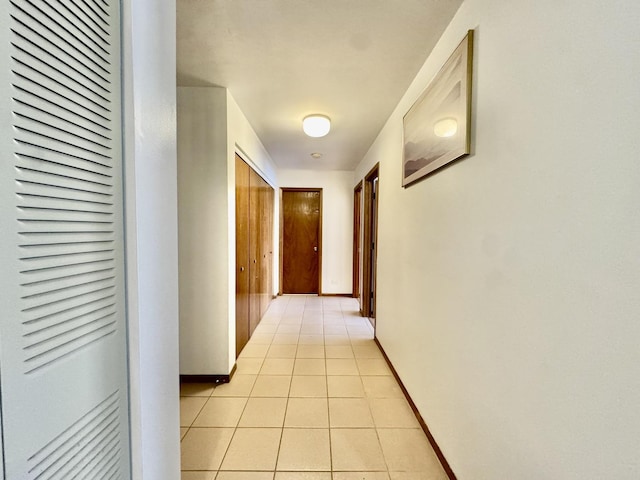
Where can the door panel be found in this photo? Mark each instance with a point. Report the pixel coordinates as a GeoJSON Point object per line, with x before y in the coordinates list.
{"type": "Point", "coordinates": [63, 327]}
{"type": "Point", "coordinates": [242, 254]}
{"type": "Point", "coordinates": [255, 216]}
{"type": "Point", "coordinates": [301, 241]}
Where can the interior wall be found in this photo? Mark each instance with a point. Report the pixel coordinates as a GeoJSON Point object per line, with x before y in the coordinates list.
{"type": "Point", "coordinates": [337, 223]}
{"type": "Point", "coordinates": [508, 281]}
{"type": "Point", "coordinates": [203, 203]}
{"type": "Point", "coordinates": [211, 129]}
{"type": "Point", "coordinates": [149, 89]}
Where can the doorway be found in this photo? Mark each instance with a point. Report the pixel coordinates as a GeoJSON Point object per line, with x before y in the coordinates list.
{"type": "Point", "coordinates": [301, 244]}
{"type": "Point", "coordinates": [370, 247]}
{"type": "Point", "coordinates": [357, 218]}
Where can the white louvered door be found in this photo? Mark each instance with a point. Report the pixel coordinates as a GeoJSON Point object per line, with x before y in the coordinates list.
{"type": "Point", "coordinates": [63, 364]}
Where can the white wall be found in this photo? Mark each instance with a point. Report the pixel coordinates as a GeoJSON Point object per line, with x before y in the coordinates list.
{"type": "Point", "coordinates": [337, 222]}
{"type": "Point", "coordinates": [204, 245]}
{"type": "Point", "coordinates": [508, 282]}
{"type": "Point", "coordinates": [211, 129]}
{"type": "Point", "coordinates": [152, 251]}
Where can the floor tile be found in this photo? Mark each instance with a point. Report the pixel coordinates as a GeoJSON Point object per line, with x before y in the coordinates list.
{"type": "Point", "coordinates": [188, 389]}
{"type": "Point", "coordinates": [308, 386]}
{"type": "Point", "coordinates": [339, 351]}
{"type": "Point", "coordinates": [349, 412]}
{"type": "Point", "coordinates": [264, 412]}
{"type": "Point", "coordinates": [204, 448]}
{"type": "Point", "coordinates": [309, 366]}
{"type": "Point", "coordinates": [277, 366]}
{"type": "Point", "coordinates": [240, 386]}
{"type": "Point", "coordinates": [360, 476]}
{"type": "Point", "coordinates": [341, 366]}
{"type": "Point", "coordinates": [247, 365]}
{"type": "Point", "coordinates": [367, 351]}
{"type": "Point", "coordinates": [311, 340]}
{"type": "Point", "coordinates": [261, 338]}
{"type": "Point", "coordinates": [285, 339]}
{"type": "Point", "coordinates": [304, 449]}
{"type": "Point", "coordinates": [267, 327]}
{"type": "Point", "coordinates": [307, 412]}
{"type": "Point", "coordinates": [253, 449]}
{"type": "Point", "coordinates": [312, 329]}
{"type": "Point", "coordinates": [254, 350]}
{"type": "Point", "coordinates": [183, 432]}
{"type": "Point", "coordinates": [345, 386]}
{"type": "Point", "coordinates": [197, 475]}
{"type": "Point", "coordinates": [303, 476]}
{"type": "Point", "coordinates": [271, 386]}
{"type": "Point", "coordinates": [407, 450]}
{"type": "Point", "coordinates": [381, 387]}
{"type": "Point", "coordinates": [419, 475]}
{"type": "Point", "coordinates": [221, 412]}
{"type": "Point", "coordinates": [285, 328]}
{"type": "Point", "coordinates": [189, 409]}
{"type": "Point", "coordinates": [310, 351]}
{"type": "Point", "coordinates": [393, 413]}
{"type": "Point", "coordinates": [373, 366]}
{"type": "Point", "coordinates": [337, 340]}
{"type": "Point", "coordinates": [282, 351]}
{"type": "Point", "coordinates": [356, 450]}
{"type": "Point", "coordinates": [245, 476]}
{"type": "Point", "coordinates": [335, 330]}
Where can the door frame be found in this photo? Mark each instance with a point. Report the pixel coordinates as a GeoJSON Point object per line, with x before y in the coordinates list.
{"type": "Point", "coordinates": [357, 219]}
{"type": "Point", "coordinates": [281, 266]}
{"type": "Point", "coordinates": [369, 254]}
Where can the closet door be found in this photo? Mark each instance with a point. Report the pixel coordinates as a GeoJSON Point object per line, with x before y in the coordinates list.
{"type": "Point", "coordinates": [242, 254]}
{"type": "Point", "coordinates": [255, 219]}
{"type": "Point", "coordinates": [266, 249]}
{"type": "Point", "coordinates": [62, 328]}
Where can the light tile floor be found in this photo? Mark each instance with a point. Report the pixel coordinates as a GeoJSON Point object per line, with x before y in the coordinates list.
{"type": "Point", "coordinates": [312, 399]}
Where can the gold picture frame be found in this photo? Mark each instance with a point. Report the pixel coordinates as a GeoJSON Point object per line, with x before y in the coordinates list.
{"type": "Point", "coordinates": [437, 128]}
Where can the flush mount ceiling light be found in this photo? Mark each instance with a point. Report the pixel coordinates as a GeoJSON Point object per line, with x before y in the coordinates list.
{"type": "Point", "coordinates": [316, 155]}
{"type": "Point", "coordinates": [316, 125]}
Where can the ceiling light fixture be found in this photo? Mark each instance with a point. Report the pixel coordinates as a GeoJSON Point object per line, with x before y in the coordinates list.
{"type": "Point", "coordinates": [316, 155]}
{"type": "Point", "coordinates": [447, 127]}
{"type": "Point", "coordinates": [316, 125]}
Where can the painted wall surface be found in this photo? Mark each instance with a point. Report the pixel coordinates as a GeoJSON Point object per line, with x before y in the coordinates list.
{"type": "Point", "coordinates": [508, 282]}
{"type": "Point", "coordinates": [204, 245]}
{"type": "Point", "coordinates": [152, 240]}
{"type": "Point", "coordinates": [337, 222]}
{"type": "Point", "coordinates": [211, 129]}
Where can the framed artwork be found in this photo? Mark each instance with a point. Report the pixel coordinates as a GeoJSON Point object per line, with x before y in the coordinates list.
{"type": "Point", "coordinates": [437, 127]}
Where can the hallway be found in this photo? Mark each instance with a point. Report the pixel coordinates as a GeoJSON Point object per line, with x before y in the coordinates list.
{"type": "Point", "coordinates": [312, 393]}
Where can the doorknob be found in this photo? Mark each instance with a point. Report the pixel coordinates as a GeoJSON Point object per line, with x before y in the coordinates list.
{"type": "Point", "coordinates": [315, 249]}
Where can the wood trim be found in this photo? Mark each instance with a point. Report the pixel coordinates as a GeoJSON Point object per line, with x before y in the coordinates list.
{"type": "Point", "coordinates": [423, 424]}
{"type": "Point", "coordinates": [301, 189]}
{"type": "Point", "coordinates": [281, 244]}
{"type": "Point", "coordinates": [217, 379]}
{"type": "Point", "coordinates": [357, 228]}
{"type": "Point", "coordinates": [347, 295]}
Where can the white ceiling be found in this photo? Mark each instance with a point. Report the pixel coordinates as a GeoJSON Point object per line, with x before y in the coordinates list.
{"type": "Point", "coordinates": [284, 59]}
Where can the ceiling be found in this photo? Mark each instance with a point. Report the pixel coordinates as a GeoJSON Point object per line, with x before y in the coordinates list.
{"type": "Point", "coordinates": [351, 60]}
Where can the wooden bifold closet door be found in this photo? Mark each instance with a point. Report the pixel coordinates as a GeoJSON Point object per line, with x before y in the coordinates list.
{"type": "Point", "coordinates": [254, 252]}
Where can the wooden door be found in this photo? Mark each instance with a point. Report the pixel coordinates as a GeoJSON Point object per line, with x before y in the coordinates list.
{"type": "Point", "coordinates": [370, 247]}
{"type": "Point", "coordinates": [255, 216]}
{"type": "Point", "coordinates": [357, 200]}
{"type": "Point", "coordinates": [266, 246]}
{"type": "Point", "coordinates": [301, 240]}
{"type": "Point", "coordinates": [242, 254]}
